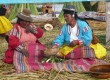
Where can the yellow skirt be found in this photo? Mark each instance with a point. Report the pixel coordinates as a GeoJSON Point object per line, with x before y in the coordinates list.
{"type": "Point", "coordinates": [100, 51]}
{"type": "Point", "coordinates": [64, 50]}
{"type": "Point", "coordinates": [5, 25]}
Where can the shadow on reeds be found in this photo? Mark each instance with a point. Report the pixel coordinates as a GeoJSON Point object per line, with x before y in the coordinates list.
{"type": "Point", "coordinates": [102, 39]}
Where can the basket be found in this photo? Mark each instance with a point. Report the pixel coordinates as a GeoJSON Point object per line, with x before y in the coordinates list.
{"type": "Point", "coordinates": [100, 71]}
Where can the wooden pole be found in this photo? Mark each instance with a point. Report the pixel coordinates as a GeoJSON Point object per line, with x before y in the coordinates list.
{"type": "Point", "coordinates": [108, 23]}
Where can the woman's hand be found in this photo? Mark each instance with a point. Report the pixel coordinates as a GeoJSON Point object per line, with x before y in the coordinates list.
{"type": "Point", "coordinates": [55, 46]}
{"type": "Point", "coordinates": [51, 51]}
{"type": "Point", "coordinates": [73, 43]}
{"type": "Point", "coordinates": [30, 29]}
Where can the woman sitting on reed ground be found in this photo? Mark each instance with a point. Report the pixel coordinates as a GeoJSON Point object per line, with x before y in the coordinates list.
{"type": "Point", "coordinates": [77, 44]}
{"type": "Point", "coordinates": [25, 51]}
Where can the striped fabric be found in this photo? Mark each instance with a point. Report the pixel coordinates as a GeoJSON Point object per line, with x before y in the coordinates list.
{"type": "Point", "coordinates": [23, 64]}
{"type": "Point", "coordinates": [77, 65]}
{"type": "Point", "coordinates": [78, 60]}
{"type": "Point", "coordinates": [81, 52]}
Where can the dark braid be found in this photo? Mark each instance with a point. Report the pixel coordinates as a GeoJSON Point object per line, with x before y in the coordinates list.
{"type": "Point", "coordinates": [77, 17]}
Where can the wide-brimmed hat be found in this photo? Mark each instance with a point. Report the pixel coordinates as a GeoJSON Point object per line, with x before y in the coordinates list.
{"type": "Point", "coordinates": [69, 9]}
{"type": "Point", "coordinates": [25, 15]}
{"type": "Point", "coordinates": [48, 27]}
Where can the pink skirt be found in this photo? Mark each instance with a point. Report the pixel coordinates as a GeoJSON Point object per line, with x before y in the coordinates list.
{"type": "Point", "coordinates": [24, 64]}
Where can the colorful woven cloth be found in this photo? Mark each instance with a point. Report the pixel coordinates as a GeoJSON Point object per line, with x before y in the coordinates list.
{"type": "Point", "coordinates": [77, 52]}
{"type": "Point", "coordinates": [77, 65]}
{"type": "Point", "coordinates": [25, 64]}
{"type": "Point", "coordinates": [78, 59]}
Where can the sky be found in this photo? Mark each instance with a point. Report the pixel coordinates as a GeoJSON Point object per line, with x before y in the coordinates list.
{"type": "Point", "coordinates": [40, 1]}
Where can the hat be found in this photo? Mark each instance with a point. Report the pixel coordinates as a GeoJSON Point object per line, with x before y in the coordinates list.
{"type": "Point", "coordinates": [69, 9]}
{"type": "Point", "coordinates": [25, 15]}
{"type": "Point", "coordinates": [48, 27]}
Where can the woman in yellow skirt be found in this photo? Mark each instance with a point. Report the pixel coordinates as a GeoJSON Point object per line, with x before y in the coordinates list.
{"type": "Point", "coordinates": [76, 38]}
{"type": "Point", "coordinates": [99, 50]}
{"type": "Point", "coordinates": [5, 25]}
{"type": "Point", "coordinates": [77, 44]}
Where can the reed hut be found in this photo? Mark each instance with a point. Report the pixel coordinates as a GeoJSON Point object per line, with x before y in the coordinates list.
{"type": "Point", "coordinates": [101, 6]}
{"type": "Point", "coordinates": [47, 9]}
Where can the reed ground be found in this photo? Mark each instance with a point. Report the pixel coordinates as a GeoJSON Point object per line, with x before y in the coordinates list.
{"type": "Point", "coordinates": [7, 71]}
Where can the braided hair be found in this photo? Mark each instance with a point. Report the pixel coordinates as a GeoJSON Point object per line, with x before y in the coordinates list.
{"type": "Point", "coordinates": [77, 17]}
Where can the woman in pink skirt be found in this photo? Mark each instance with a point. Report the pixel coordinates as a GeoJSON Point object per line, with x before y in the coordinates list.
{"type": "Point", "coordinates": [24, 49]}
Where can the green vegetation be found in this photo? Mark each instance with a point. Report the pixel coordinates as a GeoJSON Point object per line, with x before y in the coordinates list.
{"type": "Point", "coordinates": [102, 39]}
{"type": "Point", "coordinates": [17, 8]}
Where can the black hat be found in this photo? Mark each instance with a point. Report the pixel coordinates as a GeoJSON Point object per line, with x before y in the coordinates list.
{"type": "Point", "coordinates": [69, 9]}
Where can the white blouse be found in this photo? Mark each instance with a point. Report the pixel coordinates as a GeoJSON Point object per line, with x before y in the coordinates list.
{"type": "Point", "coordinates": [73, 35]}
